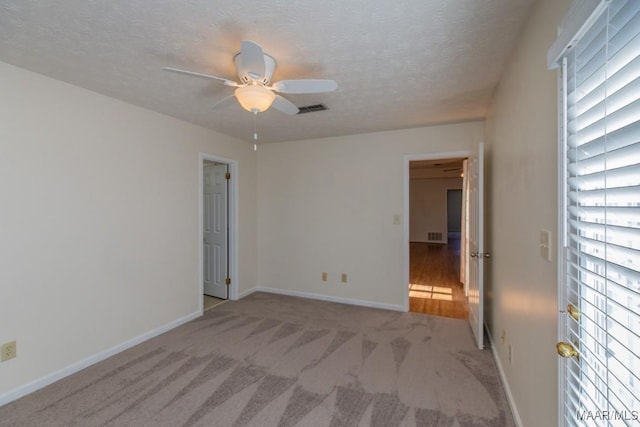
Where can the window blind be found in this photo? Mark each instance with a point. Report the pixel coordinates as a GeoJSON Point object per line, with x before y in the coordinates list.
{"type": "Point", "coordinates": [601, 80]}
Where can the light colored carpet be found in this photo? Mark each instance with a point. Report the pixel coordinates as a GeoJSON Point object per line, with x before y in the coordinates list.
{"type": "Point", "coordinates": [270, 360]}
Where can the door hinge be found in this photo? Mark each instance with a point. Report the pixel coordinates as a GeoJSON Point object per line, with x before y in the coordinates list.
{"type": "Point", "coordinates": [227, 175]}
{"type": "Point", "coordinates": [228, 281]}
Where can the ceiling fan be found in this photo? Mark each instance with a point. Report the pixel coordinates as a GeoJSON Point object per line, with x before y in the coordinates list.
{"type": "Point", "coordinates": [254, 92]}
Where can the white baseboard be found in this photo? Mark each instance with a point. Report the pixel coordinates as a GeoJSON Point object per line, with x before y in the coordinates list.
{"type": "Point", "coordinates": [505, 384]}
{"type": "Point", "coordinates": [247, 293]}
{"type": "Point", "coordinates": [23, 390]}
{"type": "Point", "coordinates": [359, 302]}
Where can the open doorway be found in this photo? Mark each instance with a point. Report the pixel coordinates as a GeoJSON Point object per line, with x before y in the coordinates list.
{"type": "Point", "coordinates": [218, 272]}
{"type": "Point", "coordinates": [436, 222]}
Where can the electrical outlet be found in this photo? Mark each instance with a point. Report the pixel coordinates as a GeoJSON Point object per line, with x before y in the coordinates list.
{"type": "Point", "coordinates": [343, 278]}
{"type": "Point", "coordinates": [324, 277]}
{"type": "Point", "coordinates": [510, 354]}
{"type": "Point", "coordinates": [7, 351]}
{"type": "Point", "coordinates": [503, 337]}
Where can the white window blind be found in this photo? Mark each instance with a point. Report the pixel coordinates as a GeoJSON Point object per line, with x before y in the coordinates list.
{"type": "Point", "coordinates": [601, 80]}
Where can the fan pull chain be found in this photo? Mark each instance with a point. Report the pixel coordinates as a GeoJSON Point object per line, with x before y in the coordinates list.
{"type": "Point", "coordinates": [255, 132]}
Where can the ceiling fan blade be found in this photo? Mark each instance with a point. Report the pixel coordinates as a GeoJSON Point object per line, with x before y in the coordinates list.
{"type": "Point", "coordinates": [285, 106]}
{"type": "Point", "coordinates": [251, 60]}
{"type": "Point", "coordinates": [305, 86]}
{"type": "Point", "coordinates": [224, 102]}
{"type": "Point", "coordinates": [206, 76]}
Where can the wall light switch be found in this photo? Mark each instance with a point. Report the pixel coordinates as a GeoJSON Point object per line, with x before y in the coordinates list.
{"type": "Point", "coordinates": [545, 245]}
{"type": "Point", "coordinates": [396, 219]}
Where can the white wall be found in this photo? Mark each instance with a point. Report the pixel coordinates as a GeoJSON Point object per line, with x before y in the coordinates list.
{"type": "Point", "coordinates": [521, 140]}
{"type": "Point", "coordinates": [99, 222]}
{"type": "Point", "coordinates": [327, 205]}
{"type": "Point", "coordinates": [428, 206]}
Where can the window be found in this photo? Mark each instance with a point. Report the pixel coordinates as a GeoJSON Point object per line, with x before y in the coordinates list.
{"type": "Point", "coordinates": [600, 57]}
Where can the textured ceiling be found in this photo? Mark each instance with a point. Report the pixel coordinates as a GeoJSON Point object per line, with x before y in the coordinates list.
{"type": "Point", "coordinates": [398, 64]}
{"type": "Point", "coordinates": [436, 168]}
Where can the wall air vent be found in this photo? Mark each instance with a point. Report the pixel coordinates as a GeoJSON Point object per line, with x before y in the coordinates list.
{"type": "Point", "coordinates": [434, 236]}
{"type": "Point", "coordinates": [311, 108]}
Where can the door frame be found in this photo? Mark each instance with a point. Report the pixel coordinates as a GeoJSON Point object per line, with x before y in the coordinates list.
{"type": "Point", "coordinates": [405, 207]}
{"type": "Point", "coordinates": [232, 224]}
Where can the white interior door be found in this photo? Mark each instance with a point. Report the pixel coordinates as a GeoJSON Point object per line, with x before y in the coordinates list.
{"type": "Point", "coordinates": [476, 245]}
{"type": "Point", "coordinates": [215, 230]}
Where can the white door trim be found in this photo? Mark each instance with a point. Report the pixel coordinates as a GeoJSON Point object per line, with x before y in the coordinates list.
{"type": "Point", "coordinates": [405, 208]}
{"type": "Point", "coordinates": [233, 222]}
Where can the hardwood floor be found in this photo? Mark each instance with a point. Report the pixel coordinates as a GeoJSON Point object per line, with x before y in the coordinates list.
{"type": "Point", "coordinates": [434, 277]}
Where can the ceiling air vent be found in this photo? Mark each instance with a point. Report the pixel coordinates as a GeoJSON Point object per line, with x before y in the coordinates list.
{"type": "Point", "coordinates": [311, 108]}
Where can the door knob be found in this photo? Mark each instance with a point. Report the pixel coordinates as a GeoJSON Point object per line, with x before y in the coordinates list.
{"type": "Point", "coordinates": [473, 254]}
{"type": "Point", "coordinates": [573, 311]}
{"type": "Point", "coordinates": [566, 350]}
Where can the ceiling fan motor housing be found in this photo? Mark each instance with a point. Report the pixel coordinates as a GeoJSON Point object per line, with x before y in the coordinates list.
{"type": "Point", "coordinates": [269, 68]}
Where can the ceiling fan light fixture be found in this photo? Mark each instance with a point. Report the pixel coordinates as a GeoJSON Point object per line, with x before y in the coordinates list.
{"type": "Point", "coordinates": [255, 98]}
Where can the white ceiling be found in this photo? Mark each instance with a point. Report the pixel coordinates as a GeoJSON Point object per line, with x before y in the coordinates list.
{"type": "Point", "coordinates": [398, 64]}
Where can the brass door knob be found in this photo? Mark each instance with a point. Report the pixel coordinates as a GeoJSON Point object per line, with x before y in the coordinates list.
{"type": "Point", "coordinates": [566, 350]}
{"type": "Point", "coordinates": [573, 311]}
